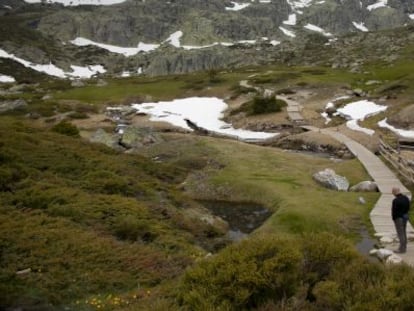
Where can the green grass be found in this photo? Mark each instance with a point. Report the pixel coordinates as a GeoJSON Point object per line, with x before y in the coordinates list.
{"type": "Point", "coordinates": [281, 181]}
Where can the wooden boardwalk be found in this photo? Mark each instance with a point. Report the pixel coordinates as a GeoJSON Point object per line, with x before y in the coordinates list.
{"type": "Point", "coordinates": [380, 215]}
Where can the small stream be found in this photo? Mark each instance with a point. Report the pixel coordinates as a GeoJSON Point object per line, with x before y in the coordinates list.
{"type": "Point", "coordinates": [366, 244]}
{"type": "Point", "coordinates": [242, 217]}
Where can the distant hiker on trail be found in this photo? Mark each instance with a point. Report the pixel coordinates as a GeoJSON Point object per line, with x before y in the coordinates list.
{"type": "Point", "coordinates": [400, 208]}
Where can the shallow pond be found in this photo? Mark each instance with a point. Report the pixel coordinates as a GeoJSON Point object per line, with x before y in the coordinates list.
{"type": "Point", "coordinates": [242, 217]}
{"type": "Point", "coordinates": [366, 244]}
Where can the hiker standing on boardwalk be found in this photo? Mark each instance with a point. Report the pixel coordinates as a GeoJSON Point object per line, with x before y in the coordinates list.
{"type": "Point", "coordinates": [400, 207]}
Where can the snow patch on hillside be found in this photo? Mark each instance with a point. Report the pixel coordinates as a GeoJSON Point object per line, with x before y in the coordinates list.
{"type": "Point", "coordinates": [287, 32]}
{"type": "Point", "coordinates": [317, 29]}
{"type": "Point", "coordinates": [206, 112]}
{"type": "Point", "coordinates": [6, 79]}
{"type": "Point", "coordinates": [403, 133]}
{"type": "Point", "coordinates": [126, 51]}
{"type": "Point", "coordinates": [52, 70]}
{"type": "Point", "coordinates": [358, 111]}
{"type": "Point", "coordinates": [360, 26]}
{"type": "Point", "coordinates": [79, 2]}
{"type": "Point", "coordinates": [237, 6]}
{"type": "Point", "coordinates": [291, 20]}
{"type": "Point", "coordinates": [377, 5]}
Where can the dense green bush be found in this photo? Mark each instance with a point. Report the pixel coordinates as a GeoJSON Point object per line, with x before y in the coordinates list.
{"type": "Point", "coordinates": [261, 105]}
{"type": "Point", "coordinates": [243, 276]}
{"type": "Point", "coordinates": [66, 128]}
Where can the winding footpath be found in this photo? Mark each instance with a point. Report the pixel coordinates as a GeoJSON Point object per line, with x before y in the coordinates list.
{"type": "Point", "coordinates": [380, 215]}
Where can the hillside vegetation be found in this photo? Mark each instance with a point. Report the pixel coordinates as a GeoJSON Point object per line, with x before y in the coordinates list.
{"type": "Point", "coordinates": [85, 227]}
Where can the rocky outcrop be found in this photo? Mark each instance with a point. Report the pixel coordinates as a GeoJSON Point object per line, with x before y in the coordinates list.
{"type": "Point", "coordinates": [12, 105]}
{"type": "Point", "coordinates": [329, 179]}
{"type": "Point", "coordinates": [110, 140]}
{"type": "Point", "coordinates": [134, 137]}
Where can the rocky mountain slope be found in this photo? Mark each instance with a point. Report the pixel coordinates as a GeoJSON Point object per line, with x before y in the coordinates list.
{"type": "Point", "coordinates": [191, 35]}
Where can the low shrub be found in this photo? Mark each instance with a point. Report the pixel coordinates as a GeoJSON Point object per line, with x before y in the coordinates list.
{"type": "Point", "coordinates": [262, 105]}
{"type": "Point", "coordinates": [66, 128]}
{"type": "Point", "coordinates": [243, 276]}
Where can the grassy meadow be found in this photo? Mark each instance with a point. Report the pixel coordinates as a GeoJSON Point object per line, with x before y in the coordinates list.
{"type": "Point", "coordinates": [104, 230]}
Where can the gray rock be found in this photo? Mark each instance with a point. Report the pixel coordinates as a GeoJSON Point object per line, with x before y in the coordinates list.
{"type": "Point", "coordinates": [329, 179]}
{"type": "Point", "coordinates": [110, 140]}
{"type": "Point", "coordinates": [365, 186]}
{"type": "Point", "coordinates": [101, 83]}
{"type": "Point", "coordinates": [12, 105]}
{"type": "Point", "coordinates": [134, 137]}
{"type": "Point", "coordinates": [77, 83]}
{"type": "Point", "coordinates": [47, 97]}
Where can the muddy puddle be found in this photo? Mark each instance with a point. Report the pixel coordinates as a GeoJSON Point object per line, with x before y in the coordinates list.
{"type": "Point", "coordinates": [242, 217]}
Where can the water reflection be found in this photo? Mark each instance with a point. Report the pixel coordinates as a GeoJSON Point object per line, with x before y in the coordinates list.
{"type": "Point", "coordinates": [242, 217]}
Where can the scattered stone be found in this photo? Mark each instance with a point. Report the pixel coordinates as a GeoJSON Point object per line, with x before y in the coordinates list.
{"type": "Point", "coordinates": [381, 253]}
{"type": "Point", "coordinates": [393, 259]}
{"type": "Point", "coordinates": [102, 137]}
{"type": "Point", "coordinates": [372, 82]}
{"type": "Point", "coordinates": [101, 83]}
{"type": "Point", "coordinates": [12, 105]}
{"type": "Point", "coordinates": [387, 240]}
{"type": "Point", "coordinates": [329, 179]}
{"type": "Point", "coordinates": [77, 83]}
{"type": "Point", "coordinates": [25, 271]}
{"type": "Point", "coordinates": [365, 186]}
{"type": "Point", "coordinates": [47, 97]}
{"type": "Point", "coordinates": [361, 200]}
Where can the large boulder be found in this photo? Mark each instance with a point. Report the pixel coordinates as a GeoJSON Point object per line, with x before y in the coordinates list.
{"type": "Point", "coordinates": [134, 137]}
{"type": "Point", "coordinates": [12, 105]}
{"type": "Point", "coordinates": [329, 179]}
{"type": "Point", "coordinates": [365, 186]}
{"type": "Point", "coordinates": [110, 140]}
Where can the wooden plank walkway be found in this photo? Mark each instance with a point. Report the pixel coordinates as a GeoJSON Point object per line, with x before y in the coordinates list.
{"type": "Point", "coordinates": [381, 213]}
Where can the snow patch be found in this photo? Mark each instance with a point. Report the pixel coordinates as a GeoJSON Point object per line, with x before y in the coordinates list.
{"type": "Point", "coordinates": [360, 26]}
{"type": "Point", "coordinates": [401, 132]}
{"type": "Point", "coordinates": [52, 70]}
{"type": "Point", "coordinates": [126, 51]}
{"type": "Point", "coordinates": [79, 2]}
{"type": "Point", "coordinates": [287, 32]}
{"type": "Point", "coordinates": [237, 6]}
{"type": "Point", "coordinates": [317, 29]}
{"type": "Point", "coordinates": [291, 20]}
{"type": "Point", "coordinates": [174, 39]}
{"type": "Point", "coordinates": [206, 112]}
{"type": "Point", "coordinates": [378, 4]}
{"type": "Point", "coordinates": [6, 79]}
{"type": "Point", "coordinates": [358, 111]}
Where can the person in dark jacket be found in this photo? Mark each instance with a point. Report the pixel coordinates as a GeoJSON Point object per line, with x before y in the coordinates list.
{"type": "Point", "coordinates": [399, 210]}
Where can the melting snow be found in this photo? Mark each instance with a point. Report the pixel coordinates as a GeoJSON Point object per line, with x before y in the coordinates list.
{"type": "Point", "coordinates": [174, 38]}
{"type": "Point", "coordinates": [291, 20]}
{"type": "Point", "coordinates": [358, 111]}
{"type": "Point", "coordinates": [6, 79]}
{"type": "Point", "coordinates": [126, 51]}
{"type": "Point", "coordinates": [296, 5]}
{"type": "Point", "coordinates": [378, 4]}
{"type": "Point", "coordinates": [79, 2]}
{"type": "Point", "coordinates": [317, 29]}
{"type": "Point", "coordinates": [206, 112]}
{"type": "Point", "coordinates": [403, 133]}
{"type": "Point", "coordinates": [360, 26]}
{"type": "Point", "coordinates": [287, 32]}
{"type": "Point", "coordinates": [52, 70]}
{"type": "Point", "coordinates": [237, 6]}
